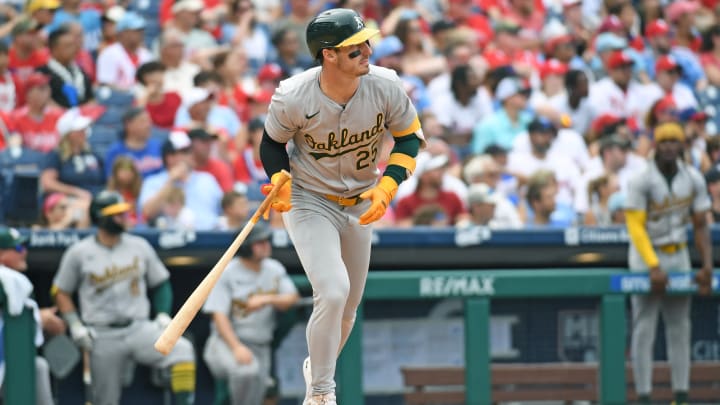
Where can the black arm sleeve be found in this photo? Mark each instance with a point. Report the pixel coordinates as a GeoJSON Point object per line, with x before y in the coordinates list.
{"type": "Point", "coordinates": [273, 155]}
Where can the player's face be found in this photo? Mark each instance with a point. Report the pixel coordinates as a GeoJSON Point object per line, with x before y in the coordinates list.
{"type": "Point", "coordinates": [668, 151]}
{"type": "Point", "coordinates": [354, 60]}
{"type": "Point", "coordinates": [15, 258]}
{"type": "Point", "coordinates": [261, 249]}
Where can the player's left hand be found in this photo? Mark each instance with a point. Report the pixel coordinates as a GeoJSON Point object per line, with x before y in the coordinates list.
{"type": "Point", "coordinates": [380, 195]}
{"type": "Point", "coordinates": [256, 301]}
{"type": "Point", "coordinates": [703, 279]}
{"type": "Point", "coordinates": [162, 320]}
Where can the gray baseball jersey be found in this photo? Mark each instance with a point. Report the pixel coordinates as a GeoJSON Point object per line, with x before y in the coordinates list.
{"type": "Point", "coordinates": [669, 206]}
{"type": "Point", "coordinates": [112, 282]}
{"type": "Point", "coordinates": [234, 288]}
{"type": "Point", "coordinates": [336, 147]}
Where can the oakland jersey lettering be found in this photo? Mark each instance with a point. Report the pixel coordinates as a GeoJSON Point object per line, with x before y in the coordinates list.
{"type": "Point", "coordinates": [346, 142]}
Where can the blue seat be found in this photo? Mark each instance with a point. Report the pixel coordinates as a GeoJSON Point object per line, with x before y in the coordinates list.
{"type": "Point", "coordinates": [101, 137]}
{"type": "Point", "coordinates": [112, 117]}
{"type": "Point", "coordinates": [22, 199]}
{"type": "Point", "coordinates": [28, 160]}
{"type": "Point", "coordinates": [161, 134]}
{"type": "Point", "coordinates": [114, 98]}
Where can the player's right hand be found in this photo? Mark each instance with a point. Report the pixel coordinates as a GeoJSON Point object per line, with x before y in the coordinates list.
{"type": "Point", "coordinates": [243, 355]}
{"type": "Point", "coordinates": [82, 335]}
{"type": "Point", "coordinates": [282, 201]}
{"type": "Point", "coordinates": [658, 280]}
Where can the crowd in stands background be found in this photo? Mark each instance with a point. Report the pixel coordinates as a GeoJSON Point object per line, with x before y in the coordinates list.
{"type": "Point", "coordinates": [537, 112]}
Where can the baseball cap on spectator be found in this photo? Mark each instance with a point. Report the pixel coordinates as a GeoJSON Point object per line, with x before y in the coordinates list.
{"type": "Point", "coordinates": [657, 28]}
{"type": "Point", "coordinates": [269, 72]}
{"type": "Point", "coordinates": [495, 150]}
{"type": "Point", "coordinates": [616, 202]}
{"type": "Point", "coordinates": [611, 23]}
{"type": "Point", "coordinates": [130, 21]}
{"type": "Point", "coordinates": [72, 120]}
{"type": "Point", "coordinates": [195, 95]}
{"type": "Point", "coordinates": [666, 104]}
{"type": "Point", "coordinates": [692, 114]}
{"type": "Point", "coordinates": [553, 67]}
{"type": "Point", "coordinates": [114, 14]}
{"type": "Point", "coordinates": [188, 5]}
{"type": "Point", "coordinates": [36, 79]}
{"type": "Point", "coordinates": [201, 133]}
{"type": "Point", "coordinates": [387, 46]}
{"type": "Point", "coordinates": [10, 238]}
{"type": "Point", "coordinates": [496, 59]}
{"type": "Point", "coordinates": [442, 25]}
{"type": "Point", "coordinates": [541, 124]}
{"type": "Point", "coordinates": [481, 193]}
{"type": "Point", "coordinates": [177, 140]}
{"type": "Point", "coordinates": [426, 162]}
{"type": "Point", "coordinates": [712, 175]}
{"type": "Point", "coordinates": [665, 63]}
{"type": "Point", "coordinates": [24, 26]}
{"type": "Point", "coordinates": [35, 5]}
{"type": "Point", "coordinates": [619, 59]}
{"type": "Point", "coordinates": [669, 132]}
{"type": "Point", "coordinates": [509, 87]}
{"type": "Point", "coordinates": [679, 8]}
{"type": "Point", "coordinates": [608, 41]}
{"type": "Point", "coordinates": [51, 201]}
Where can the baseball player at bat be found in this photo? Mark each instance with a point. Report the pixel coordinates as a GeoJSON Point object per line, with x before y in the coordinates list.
{"type": "Point", "coordinates": [336, 116]}
{"type": "Point", "coordinates": [112, 273]}
{"type": "Point", "coordinates": [662, 200]}
{"type": "Point", "coordinates": [243, 305]}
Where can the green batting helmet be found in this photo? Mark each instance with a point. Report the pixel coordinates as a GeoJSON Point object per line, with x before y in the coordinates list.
{"type": "Point", "coordinates": [336, 28]}
{"type": "Point", "coordinates": [260, 232]}
{"type": "Point", "coordinates": [104, 206]}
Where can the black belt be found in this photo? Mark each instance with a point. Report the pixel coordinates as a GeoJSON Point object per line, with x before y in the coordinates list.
{"type": "Point", "coordinates": [115, 325]}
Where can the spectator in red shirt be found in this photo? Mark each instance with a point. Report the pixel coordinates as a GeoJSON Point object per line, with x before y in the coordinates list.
{"type": "Point", "coordinates": [160, 104]}
{"type": "Point", "coordinates": [429, 193]}
{"type": "Point", "coordinates": [201, 148]}
{"type": "Point", "coordinates": [9, 85]}
{"type": "Point", "coordinates": [247, 166]}
{"type": "Point", "coordinates": [27, 51]}
{"type": "Point", "coordinates": [35, 122]}
{"type": "Point", "coordinates": [232, 66]}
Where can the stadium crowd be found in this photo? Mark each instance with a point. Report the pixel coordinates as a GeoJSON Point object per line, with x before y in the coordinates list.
{"type": "Point", "coordinates": [537, 111]}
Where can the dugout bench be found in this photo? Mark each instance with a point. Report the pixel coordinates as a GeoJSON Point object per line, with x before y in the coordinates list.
{"type": "Point", "coordinates": [550, 382]}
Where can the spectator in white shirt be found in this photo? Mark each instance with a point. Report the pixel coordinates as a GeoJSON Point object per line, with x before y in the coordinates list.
{"type": "Point", "coordinates": [179, 72]}
{"type": "Point", "coordinates": [485, 171]}
{"type": "Point", "coordinates": [483, 210]}
{"type": "Point", "coordinates": [117, 63]}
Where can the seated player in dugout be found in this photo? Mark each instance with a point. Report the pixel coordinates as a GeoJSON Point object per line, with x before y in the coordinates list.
{"type": "Point", "coordinates": [112, 273]}
{"type": "Point", "coordinates": [337, 115]}
{"type": "Point", "coordinates": [243, 306]}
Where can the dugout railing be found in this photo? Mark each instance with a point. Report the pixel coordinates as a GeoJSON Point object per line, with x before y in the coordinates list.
{"type": "Point", "coordinates": [476, 287]}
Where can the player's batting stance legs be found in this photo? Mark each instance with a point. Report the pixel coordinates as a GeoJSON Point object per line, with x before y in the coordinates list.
{"type": "Point", "coordinates": [337, 276]}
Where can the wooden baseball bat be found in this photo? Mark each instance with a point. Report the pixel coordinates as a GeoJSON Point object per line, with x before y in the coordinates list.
{"type": "Point", "coordinates": [87, 377]}
{"type": "Point", "coordinates": [195, 301]}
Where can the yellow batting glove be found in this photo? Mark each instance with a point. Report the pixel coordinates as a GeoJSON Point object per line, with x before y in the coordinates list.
{"type": "Point", "coordinates": [380, 195]}
{"type": "Point", "coordinates": [282, 201]}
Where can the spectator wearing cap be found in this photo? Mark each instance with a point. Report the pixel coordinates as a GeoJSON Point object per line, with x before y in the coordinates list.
{"type": "Point", "coordinates": [430, 193]}
{"type": "Point", "coordinates": [9, 83]}
{"type": "Point", "coordinates": [137, 143]}
{"type": "Point", "coordinates": [179, 72]}
{"type": "Point", "coordinates": [605, 45]}
{"type": "Point", "coordinates": [616, 157]}
{"type": "Point", "coordinates": [483, 210]}
{"type": "Point", "coordinates": [118, 63]}
{"type": "Point", "coordinates": [109, 21]}
{"type": "Point", "coordinates": [36, 121]}
{"type": "Point", "coordinates": [202, 143]}
{"type": "Point", "coordinates": [160, 104]}
{"type": "Point", "coordinates": [186, 19]}
{"type": "Point", "coordinates": [667, 75]}
{"type": "Point", "coordinates": [551, 91]}
{"type": "Point", "coordinates": [681, 14]}
{"type": "Point", "coordinates": [42, 11]}
{"type": "Point", "coordinates": [70, 86]}
{"type": "Point", "coordinates": [60, 212]}
{"type": "Point", "coordinates": [242, 29]}
{"type": "Point", "coordinates": [710, 54]}
{"type": "Point", "coordinates": [662, 111]}
{"type": "Point", "coordinates": [89, 19]}
{"type": "Point", "coordinates": [508, 44]}
{"type": "Point", "coordinates": [696, 137]}
{"type": "Point", "coordinates": [288, 53]}
{"type": "Point", "coordinates": [73, 168]}
{"type": "Point", "coordinates": [660, 37]}
{"type": "Point", "coordinates": [247, 167]}
{"type": "Point", "coordinates": [483, 169]}
{"type": "Point", "coordinates": [232, 67]}
{"type": "Point", "coordinates": [510, 120]}
{"type": "Point", "coordinates": [567, 142]}
{"type": "Point", "coordinates": [269, 76]}
{"type": "Point", "coordinates": [461, 109]}
{"type": "Point", "coordinates": [542, 134]}
{"type": "Point", "coordinates": [712, 178]}
{"type": "Point", "coordinates": [202, 192]}
{"type": "Point", "coordinates": [26, 50]}
{"type": "Point", "coordinates": [619, 93]}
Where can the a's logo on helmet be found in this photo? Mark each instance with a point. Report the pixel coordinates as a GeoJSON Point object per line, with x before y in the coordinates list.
{"type": "Point", "coordinates": [359, 22]}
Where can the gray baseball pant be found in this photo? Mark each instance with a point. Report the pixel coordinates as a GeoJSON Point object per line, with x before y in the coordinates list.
{"type": "Point", "coordinates": [675, 311]}
{"type": "Point", "coordinates": [334, 250]}
{"type": "Point", "coordinates": [247, 382]}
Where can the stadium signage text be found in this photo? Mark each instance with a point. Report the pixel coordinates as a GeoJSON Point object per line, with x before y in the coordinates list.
{"type": "Point", "coordinates": [641, 283]}
{"type": "Point", "coordinates": [456, 286]}
{"type": "Point", "coordinates": [53, 239]}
